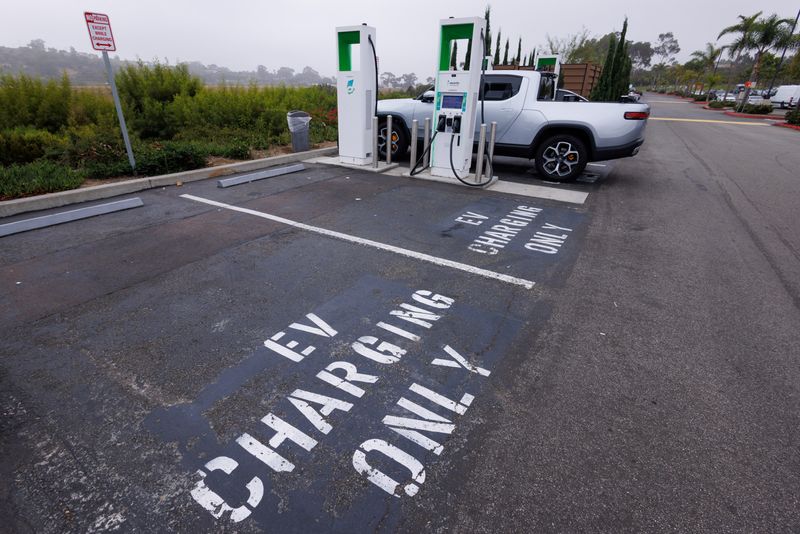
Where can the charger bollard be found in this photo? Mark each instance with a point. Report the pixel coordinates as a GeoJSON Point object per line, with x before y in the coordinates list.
{"type": "Point", "coordinates": [375, 141]}
{"type": "Point", "coordinates": [388, 139]}
{"type": "Point", "coordinates": [481, 150]}
{"type": "Point", "coordinates": [492, 136]}
{"type": "Point", "coordinates": [426, 142]}
{"type": "Point", "coordinates": [414, 135]}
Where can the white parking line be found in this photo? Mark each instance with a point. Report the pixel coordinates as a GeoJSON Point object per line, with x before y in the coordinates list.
{"type": "Point", "coordinates": [374, 244]}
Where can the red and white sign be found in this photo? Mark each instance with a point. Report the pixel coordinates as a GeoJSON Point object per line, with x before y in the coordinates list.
{"type": "Point", "coordinates": [100, 31]}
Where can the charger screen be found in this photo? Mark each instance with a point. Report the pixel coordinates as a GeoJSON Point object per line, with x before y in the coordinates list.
{"type": "Point", "coordinates": [452, 101]}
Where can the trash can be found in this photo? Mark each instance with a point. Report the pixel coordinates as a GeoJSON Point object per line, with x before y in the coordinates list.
{"type": "Point", "coordinates": [298, 127]}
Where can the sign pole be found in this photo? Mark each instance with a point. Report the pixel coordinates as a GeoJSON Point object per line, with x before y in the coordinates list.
{"type": "Point", "coordinates": [117, 105]}
{"type": "Point", "coordinates": [102, 38]}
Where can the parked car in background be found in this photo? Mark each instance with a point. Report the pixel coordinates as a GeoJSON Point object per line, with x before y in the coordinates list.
{"type": "Point", "coordinates": [756, 99]}
{"type": "Point", "coordinates": [785, 96]}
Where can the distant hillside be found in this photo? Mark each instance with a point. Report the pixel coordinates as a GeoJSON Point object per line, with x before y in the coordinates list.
{"type": "Point", "coordinates": [87, 69]}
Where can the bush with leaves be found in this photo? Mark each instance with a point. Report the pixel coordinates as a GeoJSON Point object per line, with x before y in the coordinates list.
{"type": "Point", "coordinates": [757, 109]}
{"type": "Point", "coordinates": [717, 104]}
{"type": "Point", "coordinates": [26, 101]}
{"type": "Point", "coordinates": [148, 91]}
{"type": "Point", "coordinates": [23, 145]}
{"type": "Point", "coordinates": [37, 178]}
{"type": "Point", "coordinates": [793, 117]}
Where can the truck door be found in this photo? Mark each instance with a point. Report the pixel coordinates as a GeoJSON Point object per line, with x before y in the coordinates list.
{"type": "Point", "coordinates": [503, 97]}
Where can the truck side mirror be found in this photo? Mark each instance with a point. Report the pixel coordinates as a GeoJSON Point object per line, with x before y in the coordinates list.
{"type": "Point", "coordinates": [427, 96]}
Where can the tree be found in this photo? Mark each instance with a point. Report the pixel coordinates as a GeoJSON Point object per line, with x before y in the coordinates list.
{"type": "Point", "coordinates": [454, 56]}
{"type": "Point", "coordinates": [505, 56]}
{"type": "Point", "coordinates": [487, 37]}
{"type": "Point", "coordinates": [497, 50]}
{"type": "Point", "coordinates": [388, 79]}
{"type": "Point", "coordinates": [621, 73]}
{"type": "Point", "coordinates": [641, 53]}
{"type": "Point", "coordinates": [468, 56]}
{"type": "Point", "coordinates": [707, 60]}
{"type": "Point", "coordinates": [518, 60]}
{"type": "Point", "coordinates": [603, 86]}
{"type": "Point", "coordinates": [759, 35]}
{"type": "Point", "coordinates": [667, 47]}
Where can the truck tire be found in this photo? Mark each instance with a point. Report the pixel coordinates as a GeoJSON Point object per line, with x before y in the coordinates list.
{"type": "Point", "coordinates": [399, 140]}
{"type": "Point", "coordinates": [561, 158]}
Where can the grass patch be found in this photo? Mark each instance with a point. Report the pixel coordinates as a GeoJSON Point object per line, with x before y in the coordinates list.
{"type": "Point", "coordinates": [37, 178]}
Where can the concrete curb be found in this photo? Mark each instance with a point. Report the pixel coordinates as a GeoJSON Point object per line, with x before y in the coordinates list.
{"type": "Point", "coordinates": [74, 196]}
{"type": "Point", "coordinates": [786, 125]}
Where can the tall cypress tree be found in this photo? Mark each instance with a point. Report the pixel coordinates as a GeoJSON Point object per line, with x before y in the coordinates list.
{"type": "Point", "coordinates": [454, 56]}
{"type": "Point", "coordinates": [468, 57]}
{"type": "Point", "coordinates": [497, 50]}
{"type": "Point", "coordinates": [615, 89]}
{"type": "Point", "coordinates": [600, 91]}
{"type": "Point", "coordinates": [518, 61]}
{"type": "Point", "coordinates": [488, 35]}
{"type": "Point", "coordinates": [505, 57]}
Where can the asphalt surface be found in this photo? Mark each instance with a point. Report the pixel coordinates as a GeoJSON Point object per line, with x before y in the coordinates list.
{"type": "Point", "coordinates": [648, 381]}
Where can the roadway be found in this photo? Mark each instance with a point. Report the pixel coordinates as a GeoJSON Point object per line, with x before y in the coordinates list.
{"type": "Point", "coordinates": [625, 364]}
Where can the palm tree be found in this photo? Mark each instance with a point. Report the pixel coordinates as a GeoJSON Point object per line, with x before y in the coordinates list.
{"type": "Point", "coordinates": [743, 41]}
{"type": "Point", "coordinates": [708, 59]}
{"type": "Point", "coordinates": [760, 36]}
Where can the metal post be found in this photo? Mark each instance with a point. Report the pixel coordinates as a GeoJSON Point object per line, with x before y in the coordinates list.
{"type": "Point", "coordinates": [388, 139]}
{"type": "Point", "coordinates": [375, 142]}
{"type": "Point", "coordinates": [492, 134]}
{"type": "Point", "coordinates": [426, 141]}
{"type": "Point", "coordinates": [481, 148]}
{"type": "Point", "coordinates": [414, 134]}
{"type": "Point", "coordinates": [122, 125]}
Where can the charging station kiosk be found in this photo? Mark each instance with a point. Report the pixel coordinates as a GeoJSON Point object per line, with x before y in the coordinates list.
{"type": "Point", "coordinates": [356, 93]}
{"type": "Point", "coordinates": [456, 100]}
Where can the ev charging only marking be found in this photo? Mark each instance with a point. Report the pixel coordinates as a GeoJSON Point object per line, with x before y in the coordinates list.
{"type": "Point", "coordinates": [527, 284]}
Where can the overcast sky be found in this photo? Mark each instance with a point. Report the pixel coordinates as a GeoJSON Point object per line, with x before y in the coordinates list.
{"type": "Point", "coordinates": [241, 34]}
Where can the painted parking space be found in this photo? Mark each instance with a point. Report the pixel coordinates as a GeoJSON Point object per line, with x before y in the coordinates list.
{"type": "Point", "coordinates": [531, 239]}
{"type": "Point", "coordinates": [251, 374]}
{"type": "Point", "coordinates": [366, 392]}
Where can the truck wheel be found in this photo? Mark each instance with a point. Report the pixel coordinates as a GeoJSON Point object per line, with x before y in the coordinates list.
{"type": "Point", "coordinates": [561, 158]}
{"type": "Point", "coordinates": [399, 142]}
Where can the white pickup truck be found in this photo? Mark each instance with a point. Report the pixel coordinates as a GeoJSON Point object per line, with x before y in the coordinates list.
{"type": "Point", "coordinates": [561, 137]}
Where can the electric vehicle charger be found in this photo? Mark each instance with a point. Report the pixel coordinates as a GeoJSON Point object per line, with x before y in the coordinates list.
{"type": "Point", "coordinates": [488, 164]}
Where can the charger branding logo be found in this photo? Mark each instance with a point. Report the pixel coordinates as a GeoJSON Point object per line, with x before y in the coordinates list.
{"type": "Point", "coordinates": [351, 86]}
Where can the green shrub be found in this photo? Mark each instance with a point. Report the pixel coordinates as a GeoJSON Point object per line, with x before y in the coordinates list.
{"type": "Point", "coordinates": [37, 178]}
{"type": "Point", "coordinates": [148, 92]}
{"type": "Point", "coordinates": [793, 117]}
{"type": "Point", "coordinates": [92, 106]}
{"type": "Point", "coordinates": [23, 145]}
{"type": "Point", "coordinates": [96, 147]}
{"type": "Point", "coordinates": [717, 104]}
{"type": "Point", "coordinates": [27, 101]}
{"type": "Point", "coordinates": [757, 109]}
{"type": "Point", "coordinates": [169, 157]}
{"type": "Point", "coordinates": [729, 104]}
{"type": "Point", "coordinates": [699, 98]}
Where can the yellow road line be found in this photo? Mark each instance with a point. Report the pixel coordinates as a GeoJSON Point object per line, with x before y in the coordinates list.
{"type": "Point", "coordinates": [708, 120]}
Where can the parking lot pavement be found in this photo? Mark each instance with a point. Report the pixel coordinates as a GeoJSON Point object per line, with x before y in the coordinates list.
{"type": "Point", "coordinates": [341, 351]}
{"type": "Point", "coordinates": [144, 351]}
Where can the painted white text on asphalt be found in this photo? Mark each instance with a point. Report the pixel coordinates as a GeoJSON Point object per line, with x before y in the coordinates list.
{"type": "Point", "coordinates": [407, 321]}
